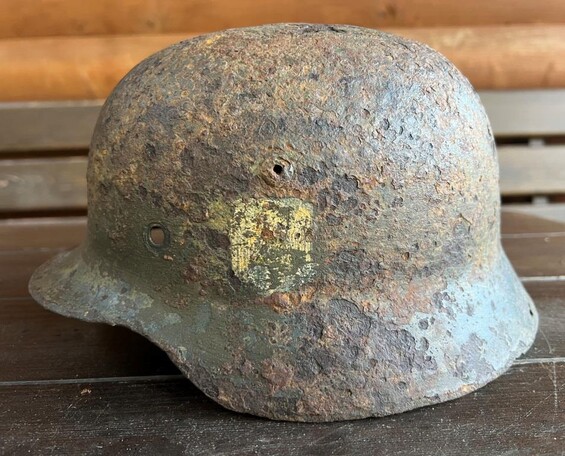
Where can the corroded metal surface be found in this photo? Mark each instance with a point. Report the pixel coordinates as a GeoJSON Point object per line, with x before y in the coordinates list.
{"type": "Point", "coordinates": [328, 208]}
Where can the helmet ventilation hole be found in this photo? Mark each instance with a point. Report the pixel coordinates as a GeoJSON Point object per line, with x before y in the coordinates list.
{"type": "Point", "coordinates": [157, 235]}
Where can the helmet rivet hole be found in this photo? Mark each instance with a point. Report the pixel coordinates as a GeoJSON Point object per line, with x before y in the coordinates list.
{"type": "Point", "coordinates": [157, 235]}
{"type": "Point", "coordinates": [278, 169]}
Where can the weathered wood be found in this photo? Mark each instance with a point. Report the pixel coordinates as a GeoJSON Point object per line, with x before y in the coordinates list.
{"type": "Point", "coordinates": [47, 125]}
{"type": "Point", "coordinates": [41, 233]}
{"type": "Point", "coordinates": [16, 269]}
{"type": "Point", "coordinates": [20, 18]}
{"type": "Point", "coordinates": [36, 344]}
{"type": "Point", "coordinates": [519, 220]}
{"type": "Point", "coordinates": [60, 125]}
{"type": "Point", "coordinates": [549, 297]}
{"type": "Point", "coordinates": [39, 184]}
{"type": "Point", "coordinates": [42, 184]}
{"type": "Point", "coordinates": [523, 412]}
{"type": "Point", "coordinates": [532, 257]}
{"type": "Point", "coordinates": [525, 112]}
{"type": "Point", "coordinates": [536, 256]}
{"type": "Point", "coordinates": [520, 56]}
{"type": "Point", "coordinates": [532, 170]}
{"type": "Point", "coordinates": [533, 236]}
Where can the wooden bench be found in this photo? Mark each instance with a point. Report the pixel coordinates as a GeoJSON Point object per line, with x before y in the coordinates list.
{"type": "Point", "coordinates": [67, 386]}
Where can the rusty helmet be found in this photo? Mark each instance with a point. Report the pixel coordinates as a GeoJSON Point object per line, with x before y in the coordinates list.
{"type": "Point", "coordinates": [305, 218]}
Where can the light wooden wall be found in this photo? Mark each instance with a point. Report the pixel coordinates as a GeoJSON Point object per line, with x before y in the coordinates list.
{"type": "Point", "coordinates": [60, 58]}
{"type": "Point", "coordinates": [79, 49]}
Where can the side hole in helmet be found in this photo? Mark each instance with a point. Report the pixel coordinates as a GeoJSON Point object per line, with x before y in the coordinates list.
{"type": "Point", "coordinates": [157, 235]}
{"type": "Point", "coordinates": [278, 169]}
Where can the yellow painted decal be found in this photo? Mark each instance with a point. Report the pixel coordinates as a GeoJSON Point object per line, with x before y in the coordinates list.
{"type": "Point", "coordinates": [271, 243]}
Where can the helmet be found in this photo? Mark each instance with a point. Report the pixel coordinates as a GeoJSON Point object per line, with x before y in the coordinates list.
{"type": "Point", "coordinates": [305, 218]}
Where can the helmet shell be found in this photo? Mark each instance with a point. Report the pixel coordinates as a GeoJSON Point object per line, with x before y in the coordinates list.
{"type": "Point", "coordinates": [306, 218]}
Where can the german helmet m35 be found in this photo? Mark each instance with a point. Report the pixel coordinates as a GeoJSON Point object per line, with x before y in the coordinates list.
{"type": "Point", "coordinates": [305, 218]}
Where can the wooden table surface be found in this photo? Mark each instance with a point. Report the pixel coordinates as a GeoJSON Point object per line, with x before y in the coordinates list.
{"type": "Point", "coordinates": [70, 387]}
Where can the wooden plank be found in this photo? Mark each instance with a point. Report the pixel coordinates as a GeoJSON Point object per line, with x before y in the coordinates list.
{"type": "Point", "coordinates": [41, 233]}
{"type": "Point", "coordinates": [72, 68]}
{"type": "Point", "coordinates": [537, 256]}
{"type": "Point", "coordinates": [532, 236]}
{"type": "Point", "coordinates": [520, 220]}
{"type": "Point", "coordinates": [47, 125]}
{"type": "Point", "coordinates": [60, 125]}
{"type": "Point", "coordinates": [512, 57]}
{"type": "Point", "coordinates": [16, 269]}
{"type": "Point", "coordinates": [20, 18]}
{"type": "Point", "coordinates": [523, 412]}
{"type": "Point", "coordinates": [40, 184]}
{"type": "Point", "coordinates": [36, 344]}
{"type": "Point", "coordinates": [532, 170]}
{"type": "Point", "coordinates": [525, 112]}
{"type": "Point", "coordinates": [520, 56]}
{"type": "Point", "coordinates": [532, 257]}
{"type": "Point", "coordinates": [525, 220]}
{"type": "Point", "coordinates": [549, 298]}
{"type": "Point", "coordinates": [43, 184]}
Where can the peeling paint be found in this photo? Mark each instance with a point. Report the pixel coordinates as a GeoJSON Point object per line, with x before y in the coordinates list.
{"type": "Point", "coordinates": [271, 243]}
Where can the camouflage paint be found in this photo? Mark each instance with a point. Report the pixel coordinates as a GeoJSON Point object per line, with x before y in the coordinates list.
{"type": "Point", "coordinates": [373, 149]}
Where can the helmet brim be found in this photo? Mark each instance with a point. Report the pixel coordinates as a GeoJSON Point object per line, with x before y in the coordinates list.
{"type": "Point", "coordinates": [470, 348]}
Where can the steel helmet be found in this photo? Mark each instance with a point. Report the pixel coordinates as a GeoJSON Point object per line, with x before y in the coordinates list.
{"type": "Point", "coordinates": [305, 218]}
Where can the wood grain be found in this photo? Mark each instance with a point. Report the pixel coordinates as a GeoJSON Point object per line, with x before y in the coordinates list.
{"type": "Point", "coordinates": [19, 18]}
{"type": "Point", "coordinates": [519, 220]}
{"type": "Point", "coordinates": [532, 170]}
{"type": "Point", "coordinates": [520, 56]}
{"type": "Point", "coordinates": [519, 113]}
{"type": "Point", "coordinates": [549, 298]}
{"type": "Point", "coordinates": [37, 184]}
{"type": "Point", "coordinates": [47, 125]}
{"type": "Point", "coordinates": [16, 269]}
{"type": "Point", "coordinates": [63, 125]}
{"type": "Point", "coordinates": [48, 184]}
{"type": "Point", "coordinates": [513, 57]}
{"type": "Point", "coordinates": [72, 68]}
{"type": "Point", "coordinates": [36, 344]}
{"type": "Point", "coordinates": [41, 233]}
{"type": "Point", "coordinates": [537, 256]}
{"type": "Point", "coordinates": [522, 412]}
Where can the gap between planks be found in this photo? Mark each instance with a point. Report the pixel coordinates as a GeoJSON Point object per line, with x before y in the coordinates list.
{"type": "Point", "coordinates": [177, 377]}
